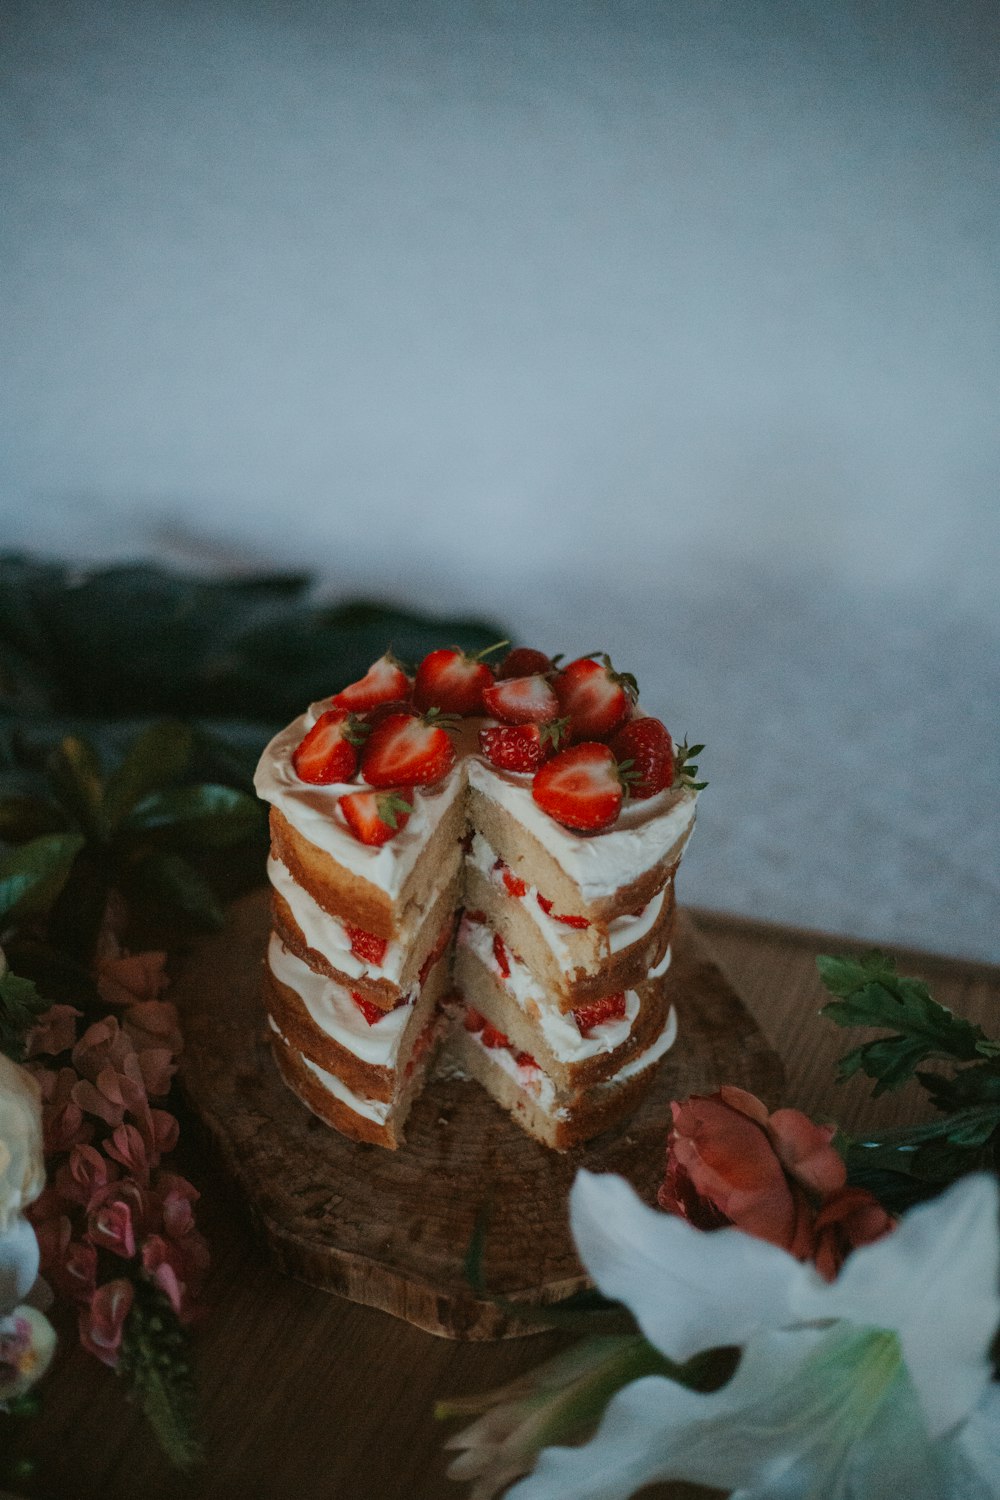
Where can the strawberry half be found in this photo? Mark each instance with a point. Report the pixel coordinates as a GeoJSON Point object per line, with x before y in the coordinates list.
{"type": "Point", "coordinates": [597, 699]}
{"type": "Point", "coordinates": [453, 681]}
{"type": "Point", "coordinates": [521, 700]}
{"type": "Point", "coordinates": [407, 750]}
{"type": "Point", "coordinates": [608, 1008]}
{"type": "Point", "coordinates": [376, 817]}
{"type": "Point", "coordinates": [371, 1013]}
{"type": "Point", "coordinates": [647, 744]}
{"type": "Point", "coordinates": [384, 682]}
{"type": "Point", "coordinates": [523, 661]}
{"type": "Point", "coordinates": [329, 751]}
{"type": "Point", "coordinates": [367, 946]}
{"type": "Point", "coordinates": [522, 747]}
{"type": "Point", "coordinates": [580, 787]}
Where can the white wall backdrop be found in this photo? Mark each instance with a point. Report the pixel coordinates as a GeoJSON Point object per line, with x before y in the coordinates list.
{"type": "Point", "coordinates": [667, 326]}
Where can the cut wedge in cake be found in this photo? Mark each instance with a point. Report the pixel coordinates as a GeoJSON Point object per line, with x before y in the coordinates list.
{"type": "Point", "coordinates": [559, 836]}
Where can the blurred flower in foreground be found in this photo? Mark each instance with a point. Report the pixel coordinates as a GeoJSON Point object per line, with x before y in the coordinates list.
{"type": "Point", "coordinates": [27, 1340]}
{"type": "Point", "coordinates": [874, 1385]}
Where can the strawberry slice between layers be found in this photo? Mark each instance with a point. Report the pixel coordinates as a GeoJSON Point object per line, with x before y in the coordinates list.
{"type": "Point", "coordinates": [367, 946]}
{"type": "Point", "coordinates": [608, 1008]}
{"type": "Point", "coordinates": [568, 918]}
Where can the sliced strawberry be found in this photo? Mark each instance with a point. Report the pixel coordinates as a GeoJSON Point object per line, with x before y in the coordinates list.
{"type": "Point", "coordinates": [569, 919]}
{"type": "Point", "coordinates": [452, 680]}
{"type": "Point", "coordinates": [371, 1012]}
{"type": "Point", "coordinates": [647, 744]}
{"type": "Point", "coordinates": [329, 751]}
{"type": "Point", "coordinates": [493, 1038]}
{"type": "Point", "coordinates": [443, 939]}
{"type": "Point", "coordinates": [384, 682]}
{"type": "Point", "coordinates": [516, 887]}
{"type": "Point", "coordinates": [474, 914]}
{"type": "Point", "coordinates": [521, 700]}
{"type": "Point", "coordinates": [522, 747]}
{"type": "Point", "coordinates": [580, 787]}
{"type": "Point", "coordinates": [420, 1046]}
{"type": "Point", "coordinates": [407, 750]}
{"type": "Point", "coordinates": [525, 1060]}
{"type": "Point", "coordinates": [597, 699]}
{"type": "Point", "coordinates": [523, 661]}
{"type": "Point", "coordinates": [366, 945]}
{"type": "Point", "coordinates": [376, 817]}
{"type": "Point", "coordinates": [608, 1008]}
{"type": "Point", "coordinates": [500, 954]}
{"type": "Point", "coordinates": [473, 1020]}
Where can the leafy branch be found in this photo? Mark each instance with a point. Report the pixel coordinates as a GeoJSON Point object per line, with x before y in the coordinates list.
{"type": "Point", "coordinates": [902, 1166]}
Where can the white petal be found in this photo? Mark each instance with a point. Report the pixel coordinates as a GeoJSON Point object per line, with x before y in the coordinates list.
{"type": "Point", "coordinates": [935, 1282]}
{"type": "Point", "coordinates": [18, 1262]}
{"type": "Point", "coordinates": [688, 1290]}
{"type": "Point", "coordinates": [971, 1457]}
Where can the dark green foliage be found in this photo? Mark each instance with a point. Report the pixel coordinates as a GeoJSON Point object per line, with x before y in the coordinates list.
{"type": "Point", "coordinates": [155, 1364]}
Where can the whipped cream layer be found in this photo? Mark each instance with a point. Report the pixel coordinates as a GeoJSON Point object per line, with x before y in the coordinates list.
{"type": "Point", "coordinates": [600, 863]}
{"type": "Point", "coordinates": [560, 1031]}
{"type": "Point", "coordinates": [378, 1110]}
{"type": "Point", "coordinates": [313, 812]}
{"type": "Point", "coordinates": [622, 931]}
{"type": "Point", "coordinates": [652, 1054]}
{"type": "Point", "coordinates": [327, 935]}
{"type": "Point", "coordinates": [331, 1008]}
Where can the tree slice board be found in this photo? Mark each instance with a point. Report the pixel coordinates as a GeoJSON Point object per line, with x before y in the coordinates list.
{"type": "Point", "coordinates": [391, 1229]}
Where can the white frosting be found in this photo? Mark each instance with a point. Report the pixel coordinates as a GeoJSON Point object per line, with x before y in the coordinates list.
{"type": "Point", "coordinates": [652, 1054]}
{"type": "Point", "coordinates": [560, 1031]}
{"type": "Point", "coordinates": [622, 931]}
{"type": "Point", "coordinates": [313, 812]}
{"type": "Point", "coordinates": [335, 1013]}
{"type": "Point", "coordinates": [328, 936]}
{"type": "Point", "coordinates": [600, 863]}
{"type": "Point", "coordinates": [532, 1080]}
{"type": "Point", "coordinates": [372, 1109]}
{"type": "Point", "coordinates": [662, 966]}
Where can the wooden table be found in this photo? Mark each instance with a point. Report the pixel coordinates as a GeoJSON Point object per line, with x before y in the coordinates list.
{"type": "Point", "coordinates": [307, 1397]}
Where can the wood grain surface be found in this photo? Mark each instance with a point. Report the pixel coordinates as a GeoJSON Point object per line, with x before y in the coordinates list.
{"type": "Point", "coordinates": [391, 1229]}
{"type": "Point", "coordinates": [306, 1396]}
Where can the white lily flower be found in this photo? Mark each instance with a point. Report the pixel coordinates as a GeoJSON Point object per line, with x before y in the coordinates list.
{"type": "Point", "coordinates": [875, 1385]}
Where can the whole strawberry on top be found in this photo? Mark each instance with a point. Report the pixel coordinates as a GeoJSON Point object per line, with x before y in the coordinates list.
{"type": "Point", "coordinates": [452, 680]}
{"type": "Point", "coordinates": [597, 699]}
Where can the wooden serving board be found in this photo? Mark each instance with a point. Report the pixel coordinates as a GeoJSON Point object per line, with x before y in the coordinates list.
{"type": "Point", "coordinates": [390, 1229]}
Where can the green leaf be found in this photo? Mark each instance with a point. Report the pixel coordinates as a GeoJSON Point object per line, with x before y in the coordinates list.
{"type": "Point", "coordinates": [32, 875]}
{"type": "Point", "coordinates": [171, 878]}
{"type": "Point", "coordinates": [872, 993]}
{"type": "Point", "coordinates": [24, 818]}
{"type": "Point", "coordinates": [155, 1363]}
{"type": "Point", "coordinates": [205, 817]}
{"type": "Point", "coordinates": [157, 758]}
{"type": "Point", "coordinates": [76, 779]}
{"type": "Point", "coordinates": [20, 1007]}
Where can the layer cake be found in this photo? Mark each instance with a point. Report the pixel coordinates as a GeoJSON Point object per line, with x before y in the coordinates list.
{"type": "Point", "coordinates": [490, 891]}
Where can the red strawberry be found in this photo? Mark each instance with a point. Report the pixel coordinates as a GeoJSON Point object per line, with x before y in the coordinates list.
{"type": "Point", "coordinates": [473, 1020]}
{"type": "Point", "coordinates": [500, 954]}
{"type": "Point", "coordinates": [515, 885]}
{"type": "Point", "coordinates": [647, 744]}
{"type": "Point", "coordinates": [474, 914]}
{"type": "Point", "coordinates": [522, 747]}
{"type": "Point", "coordinates": [366, 945]}
{"type": "Point", "coordinates": [521, 700]}
{"type": "Point", "coordinates": [570, 921]}
{"type": "Point", "coordinates": [407, 750]}
{"type": "Point", "coordinates": [493, 1038]}
{"type": "Point", "coordinates": [608, 1008]}
{"type": "Point", "coordinates": [329, 751]}
{"type": "Point", "coordinates": [371, 1012]}
{"type": "Point", "coordinates": [522, 662]}
{"type": "Point", "coordinates": [420, 1046]}
{"type": "Point", "coordinates": [597, 698]}
{"type": "Point", "coordinates": [580, 787]}
{"type": "Point", "coordinates": [376, 817]}
{"type": "Point", "coordinates": [525, 1060]}
{"type": "Point", "coordinates": [443, 939]}
{"type": "Point", "coordinates": [452, 680]}
{"type": "Point", "coordinates": [384, 682]}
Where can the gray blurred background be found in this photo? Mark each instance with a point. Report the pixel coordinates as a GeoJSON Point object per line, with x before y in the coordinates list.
{"type": "Point", "coordinates": [670, 328]}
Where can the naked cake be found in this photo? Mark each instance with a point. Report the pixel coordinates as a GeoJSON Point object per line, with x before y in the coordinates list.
{"type": "Point", "coordinates": [475, 864]}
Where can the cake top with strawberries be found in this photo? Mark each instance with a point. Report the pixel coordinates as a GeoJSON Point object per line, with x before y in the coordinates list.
{"type": "Point", "coordinates": [566, 747]}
